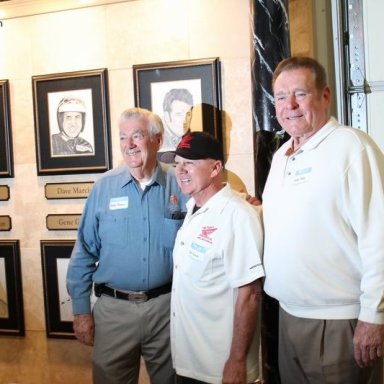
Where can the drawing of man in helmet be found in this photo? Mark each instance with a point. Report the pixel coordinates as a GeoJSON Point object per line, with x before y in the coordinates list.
{"type": "Point", "coordinates": [71, 114]}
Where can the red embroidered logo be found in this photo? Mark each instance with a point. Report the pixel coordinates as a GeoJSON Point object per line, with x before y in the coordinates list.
{"type": "Point", "coordinates": [185, 142]}
{"type": "Point", "coordinates": [205, 234]}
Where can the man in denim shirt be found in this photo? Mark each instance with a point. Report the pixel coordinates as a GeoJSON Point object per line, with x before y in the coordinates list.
{"type": "Point", "coordinates": [124, 248]}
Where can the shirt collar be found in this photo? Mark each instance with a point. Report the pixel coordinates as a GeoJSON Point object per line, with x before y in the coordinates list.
{"type": "Point", "coordinates": [217, 201]}
{"type": "Point", "coordinates": [316, 139]}
{"type": "Point", "coordinates": [159, 176]}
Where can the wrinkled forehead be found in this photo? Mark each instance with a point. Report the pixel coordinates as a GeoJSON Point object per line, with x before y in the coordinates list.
{"type": "Point", "coordinates": [293, 79]}
{"type": "Point", "coordinates": [134, 124]}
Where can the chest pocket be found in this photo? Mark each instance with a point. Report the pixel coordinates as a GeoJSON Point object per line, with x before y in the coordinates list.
{"type": "Point", "coordinates": [169, 231]}
{"type": "Point", "coordinates": [113, 228]}
{"type": "Point", "coordinates": [198, 263]}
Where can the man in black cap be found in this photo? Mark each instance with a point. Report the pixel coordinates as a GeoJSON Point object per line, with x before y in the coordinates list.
{"type": "Point", "coordinates": [217, 272]}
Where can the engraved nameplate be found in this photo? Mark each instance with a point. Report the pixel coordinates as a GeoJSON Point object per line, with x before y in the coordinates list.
{"type": "Point", "coordinates": [63, 222]}
{"type": "Point", "coordinates": [4, 192]}
{"type": "Point", "coordinates": [5, 223]}
{"type": "Point", "coordinates": [68, 190]}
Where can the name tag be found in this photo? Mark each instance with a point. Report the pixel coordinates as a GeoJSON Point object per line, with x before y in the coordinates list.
{"type": "Point", "coordinates": [302, 175]}
{"type": "Point", "coordinates": [197, 252]}
{"type": "Point", "coordinates": [118, 203]}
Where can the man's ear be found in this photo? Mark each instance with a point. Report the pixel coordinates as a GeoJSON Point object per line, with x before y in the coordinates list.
{"type": "Point", "coordinates": [160, 139]}
{"type": "Point", "coordinates": [218, 166]}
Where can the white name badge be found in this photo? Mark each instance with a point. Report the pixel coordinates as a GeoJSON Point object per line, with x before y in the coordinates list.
{"type": "Point", "coordinates": [302, 175]}
{"type": "Point", "coordinates": [118, 203]}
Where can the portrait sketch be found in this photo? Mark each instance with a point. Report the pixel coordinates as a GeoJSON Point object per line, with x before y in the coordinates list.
{"type": "Point", "coordinates": [174, 102]}
{"type": "Point", "coordinates": [4, 313]}
{"type": "Point", "coordinates": [71, 123]}
{"type": "Point", "coordinates": [64, 298]}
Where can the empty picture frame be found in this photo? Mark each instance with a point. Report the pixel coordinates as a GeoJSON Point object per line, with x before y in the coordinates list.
{"type": "Point", "coordinates": [72, 126]}
{"type": "Point", "coordinates": [6, 153]}
{"type": "Point", "coordinates": [194, 84]}
{"type": "Point", "coordinates": [11, 291]}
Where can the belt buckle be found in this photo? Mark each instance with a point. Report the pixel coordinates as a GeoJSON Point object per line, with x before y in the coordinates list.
{"type": "Point", "coordinates": [137, 297]}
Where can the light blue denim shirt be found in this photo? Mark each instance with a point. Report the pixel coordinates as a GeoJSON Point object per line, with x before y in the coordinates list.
{"type": "Point", "coordinates": [126, 235]}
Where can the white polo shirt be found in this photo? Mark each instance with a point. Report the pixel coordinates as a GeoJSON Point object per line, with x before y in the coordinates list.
{"type": "Point", "coordinates": [217, 250]}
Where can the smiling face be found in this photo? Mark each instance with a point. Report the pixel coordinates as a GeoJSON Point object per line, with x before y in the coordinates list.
{"type": "Point", "coordinates": [198, 178]}
{"type": "Point", "coordinates": [138, 148]}
{"type": "Point", "coordinates": [301, 109]}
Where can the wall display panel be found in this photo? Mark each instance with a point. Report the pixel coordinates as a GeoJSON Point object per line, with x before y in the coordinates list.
{"type": "Point", "coordinates": [72, 125]}
{"type": "Point", "coordinates": [55, 256]}
{"type": "Point", "coordinates": [185, 94]}
{"type": "Point", "coordinates": [6, 154]}
{"type": "Point", "coordinates": [11, 292]}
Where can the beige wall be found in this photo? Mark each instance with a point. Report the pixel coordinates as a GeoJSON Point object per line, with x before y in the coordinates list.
{"type": "Point", "coordinates": [114, 36]}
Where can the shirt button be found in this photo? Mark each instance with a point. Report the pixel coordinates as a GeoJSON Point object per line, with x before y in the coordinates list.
{"type": "Point", "coordinates": [181, 242]}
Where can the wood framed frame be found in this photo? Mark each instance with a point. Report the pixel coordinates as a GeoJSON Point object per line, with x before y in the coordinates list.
{"type": "Point", "coordinates": [55, 255]}
{"type": "Point", "coordinates": [6, 152]}
{"type": "Point", "coordinates": [72, 125]}
{"type": "Point", "coordinates": [196, 84]}
{"type": "Point", "coordinates": [11, 291]}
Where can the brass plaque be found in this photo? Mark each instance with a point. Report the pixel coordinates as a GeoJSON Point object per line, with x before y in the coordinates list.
{"type": "Point", "coordinates": [5, 223]}
{"type": "Point", "coordinates": [68, 190]}
{"type": "Point", "coordinates": [63, 222]}
{"type": "Point", "coordinates": [4, 192]}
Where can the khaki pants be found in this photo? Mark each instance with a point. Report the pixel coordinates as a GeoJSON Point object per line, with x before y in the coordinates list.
{"type": "Point", "coordinates": [315, 351]}
{"type": "Point", "coordinates": [125, 331]}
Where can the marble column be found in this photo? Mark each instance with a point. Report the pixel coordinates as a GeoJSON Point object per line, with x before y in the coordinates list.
{"type": "Point", "coordinates": [270, 38]}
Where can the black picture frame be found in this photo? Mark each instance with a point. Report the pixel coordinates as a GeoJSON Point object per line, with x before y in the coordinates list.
{"type": "Point", "coordinates": [92, 151]}
{"type": "Point", "coordinates": [11, 290]}
{"type": "Point", "coordinates": [6, 150]}
{"type": "Point", "coordinates": [55, 255]}
{"type": "Point", "coordinates": [201, 77]}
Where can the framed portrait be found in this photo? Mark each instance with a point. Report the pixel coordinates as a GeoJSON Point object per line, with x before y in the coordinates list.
{"type": "Point", "coordinates": [6, 153]}
{"type": "Point", "coordinates": [72, 124]}
{"type": "Point", "coordinates": [55, 256]}
{"type": "Point", "coordinates": [185, 94]}
{"type": "Point", "coordinates": [11, 291]}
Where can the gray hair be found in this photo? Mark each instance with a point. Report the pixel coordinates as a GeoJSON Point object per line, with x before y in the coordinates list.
{"type": "Point", "coordinates": [155, 124]}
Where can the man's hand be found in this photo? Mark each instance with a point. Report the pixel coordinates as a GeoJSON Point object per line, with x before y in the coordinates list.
{"type": "Point", "coordinates": [250, 199]}
{"type": "Point", "coordinates": [84, 328]}
{"type": "Point", "coordinates": [368, 342]}
{"type": "Point", "coordinates": [235, 372]}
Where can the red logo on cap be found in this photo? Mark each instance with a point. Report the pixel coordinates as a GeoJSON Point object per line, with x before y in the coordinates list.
{"type": "Point", "coordinates": [184, 143]}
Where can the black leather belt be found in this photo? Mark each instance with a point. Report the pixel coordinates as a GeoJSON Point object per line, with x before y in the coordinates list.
{"type": "Point", "coordinates": [136, 296]}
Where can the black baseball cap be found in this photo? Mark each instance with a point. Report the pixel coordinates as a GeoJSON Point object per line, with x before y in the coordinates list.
{"type": "Point", "coordinates": [196, 146]}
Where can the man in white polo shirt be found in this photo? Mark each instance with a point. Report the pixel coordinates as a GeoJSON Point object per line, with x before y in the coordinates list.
{"type": "Point", "coordinates": [217, 272]}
